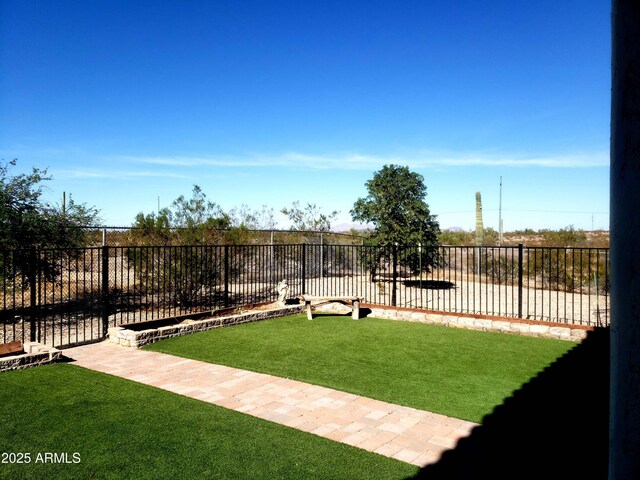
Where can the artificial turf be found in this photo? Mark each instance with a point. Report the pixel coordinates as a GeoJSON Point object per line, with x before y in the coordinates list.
{"type": "Point", "coordinates": [118, 429]}
{"type": "Point", "coordinates": [460, 373]}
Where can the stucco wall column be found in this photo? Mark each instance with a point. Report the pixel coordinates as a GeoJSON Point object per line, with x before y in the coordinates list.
{"type": "Point", "coordinates": [624, 441]}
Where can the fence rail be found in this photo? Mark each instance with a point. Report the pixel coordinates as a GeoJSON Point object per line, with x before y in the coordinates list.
{"type": "Point", "coordinates": [64, 297]}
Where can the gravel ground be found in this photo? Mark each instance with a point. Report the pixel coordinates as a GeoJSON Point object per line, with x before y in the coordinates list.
{"type": "Point", "coordinates": [475, 298]}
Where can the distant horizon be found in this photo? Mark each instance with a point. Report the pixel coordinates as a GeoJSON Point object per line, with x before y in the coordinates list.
{"type": "Point", "coordinates": [346, 229]}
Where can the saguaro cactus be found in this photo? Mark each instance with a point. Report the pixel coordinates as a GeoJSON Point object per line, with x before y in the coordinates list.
{"type": "Point", "coordinates": [479, 226]}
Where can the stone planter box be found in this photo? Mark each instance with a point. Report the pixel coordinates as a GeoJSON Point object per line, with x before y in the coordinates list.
{"type": "Point", "coordinates": [516, 326]}
{"type": "Point", "coordinates": [144, 333]}
{"type": "Point", "coordinates": [34, 354]}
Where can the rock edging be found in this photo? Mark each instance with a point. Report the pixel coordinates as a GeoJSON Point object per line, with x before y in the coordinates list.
{"type": "Point", "coordinates": [131, 338]}
{"type": "Point", "coordinates": [575, 333]}
{"type": "Point", "coordinates": [35, 354]}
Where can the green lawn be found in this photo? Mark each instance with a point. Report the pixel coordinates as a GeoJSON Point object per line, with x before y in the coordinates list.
{"type": "Point", "coordinates": [460, 373]}
{"type": "Point", "coordinates": [120, 429]}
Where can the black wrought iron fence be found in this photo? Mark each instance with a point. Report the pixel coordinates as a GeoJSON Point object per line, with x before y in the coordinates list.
{"type": "Point", "coordinates": [51, 295]}
{"type": "Point", "coordinates": [64, 297]}
{"type": "Point", "coordinates": [566, 285]}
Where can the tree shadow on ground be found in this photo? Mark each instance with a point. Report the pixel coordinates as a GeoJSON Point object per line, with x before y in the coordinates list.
{"type": "Point", "coordinates": [430, 284]}
{"type": "Point", "coordinates": [555, 426]}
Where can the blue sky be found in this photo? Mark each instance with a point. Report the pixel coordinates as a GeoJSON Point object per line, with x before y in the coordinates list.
{"type": "Point", "coordinates": [271, 102]}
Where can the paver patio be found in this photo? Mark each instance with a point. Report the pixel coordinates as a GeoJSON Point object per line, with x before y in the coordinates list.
{"type": "Point", "coordinates": [413, 436]}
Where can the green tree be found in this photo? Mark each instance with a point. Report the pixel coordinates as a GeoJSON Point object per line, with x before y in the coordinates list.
{"type": "Point", "coordinates": [152, 228]}
{"type": "Point", "coordinates": [197, 212]}
{"type": "Point", "coordinates": [309, 217]}
{"type": "Point", "coordinates": [28, 222]}
{"type": "Point", "coordinates": [403, 224]}
{"type": "Point", "coordinates": [396, 207]}
{"type": "Point", "coordinates": [190, 221]}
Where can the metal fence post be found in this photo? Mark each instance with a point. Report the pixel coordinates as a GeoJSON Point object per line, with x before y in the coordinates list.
{"type": "Point", "coordinates": [520, 255]}
{"type": "Point", "coordinates": [226, 275]}
{"type": "Point", "coordinates": [394, 263]}
{"type": "Point", "coordinates": [321, 257]}
{"type": "Point", "coordinates": [33, 302]}
{"type": "Point", "coordinates": [105, 290]}
{"type": "Point", "coordinates": [271, 260]}
{"type": "Point", "coordinates": [303, 272]}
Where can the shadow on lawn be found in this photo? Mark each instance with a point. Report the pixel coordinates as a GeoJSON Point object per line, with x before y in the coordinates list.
{"type": "Point", "coordinates": [364, 313]}
{"type": "Point", "coordinates": [555, 426]}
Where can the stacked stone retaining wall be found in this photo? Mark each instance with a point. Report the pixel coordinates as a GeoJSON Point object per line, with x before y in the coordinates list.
{"type": "Point", "coordinates": [131, 338]}
{"type": "Point", "coordinates": [34, 354]}
{"type": "Point", "coordinates": [516, 326]}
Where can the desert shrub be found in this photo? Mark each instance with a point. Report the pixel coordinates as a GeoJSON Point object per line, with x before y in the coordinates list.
{"type": "Point", "coordinates": [573, 270]}
{"type": "Point", "coordinates": [565, 237]}
{"type": "Point", "coordinates": [456, 238]}
{"type": "Point", "coordinates": [499, 266]}
{"type": "Point", "coordinates": [463, 238]}
{"type": "Point", "coordinates": [178, 276]}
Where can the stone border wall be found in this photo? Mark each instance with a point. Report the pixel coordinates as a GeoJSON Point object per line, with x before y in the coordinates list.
{"type": "Point", "coordinates": [35, 354]}
{"type": "Point", "coordinates": [130, 338]}
{"type": "Point", "coordinates": [516, 326]}
{"type": "Point", "coordinates": [576, 333]}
